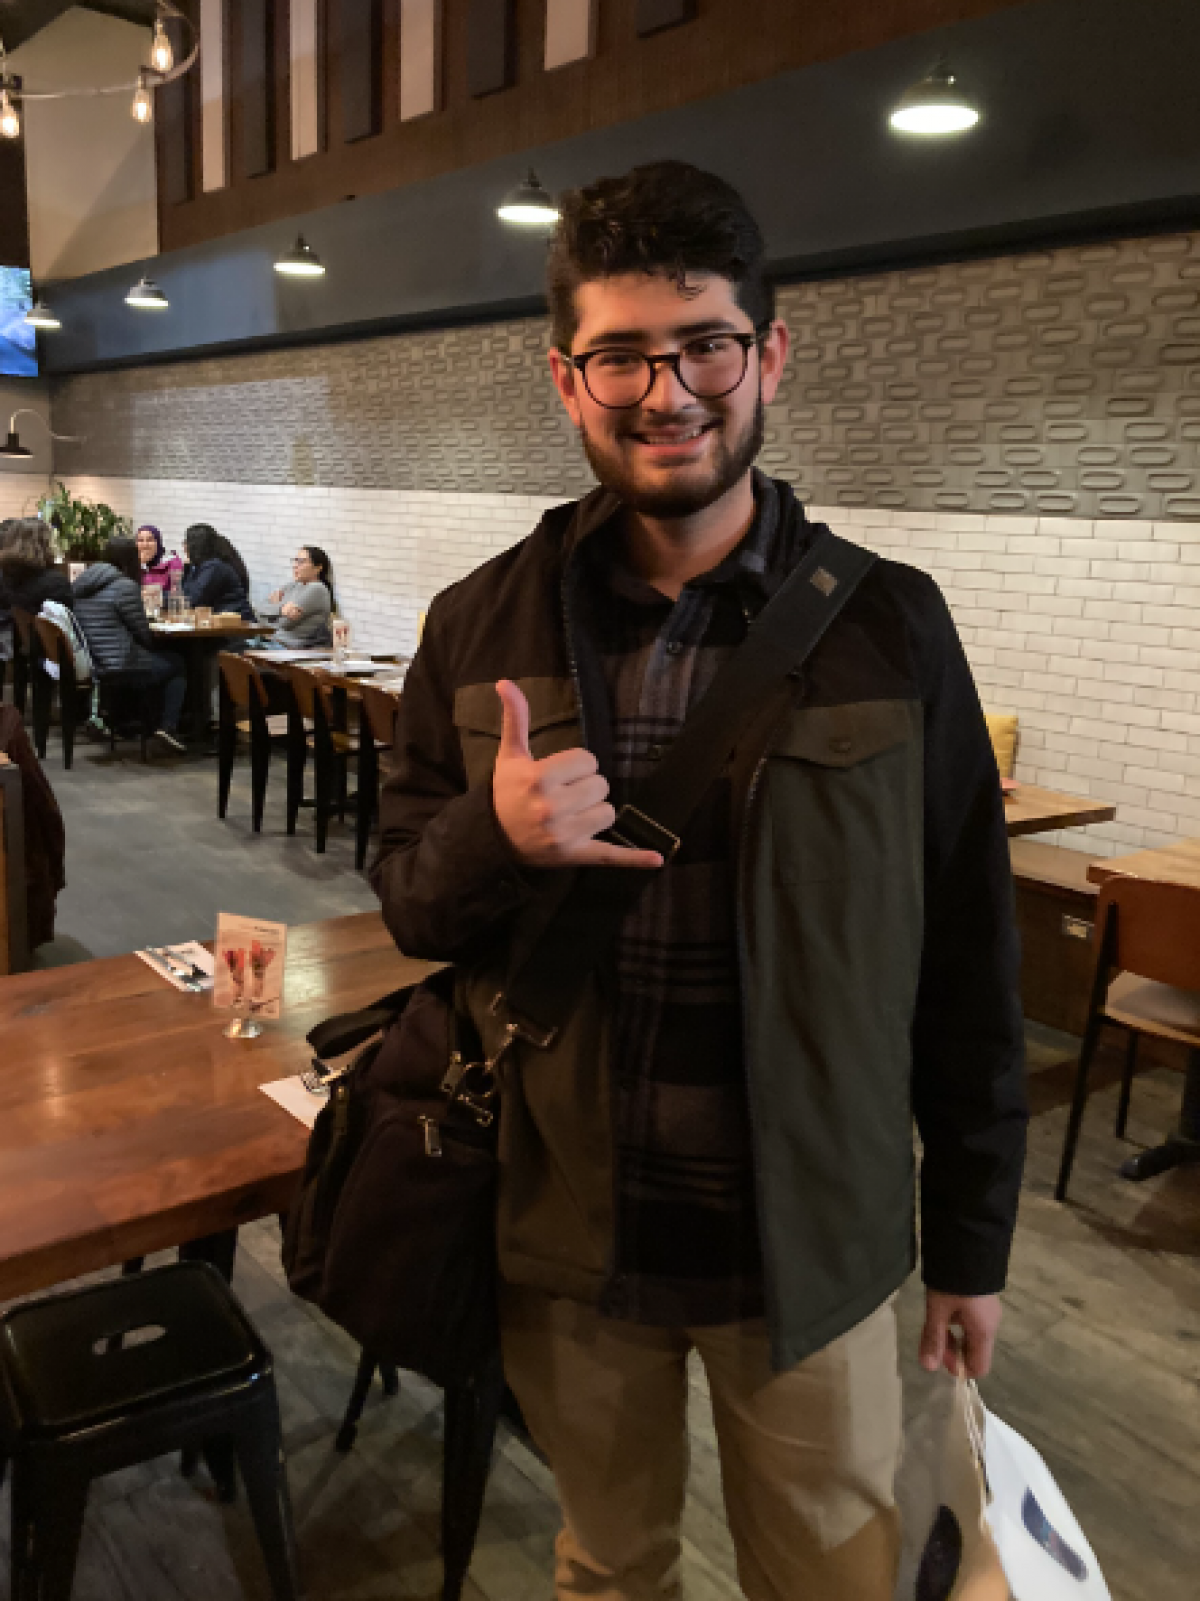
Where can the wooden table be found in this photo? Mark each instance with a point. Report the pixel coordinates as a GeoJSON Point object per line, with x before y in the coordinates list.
{"type": "Point", "coordinates": [129, 1123]}
{"type": "Point", "coordinates": [1030, 810]}
{"type": "Point", "coordinates": [1173, 864]}
{"type": "Point", "coordinates": [197, 645]}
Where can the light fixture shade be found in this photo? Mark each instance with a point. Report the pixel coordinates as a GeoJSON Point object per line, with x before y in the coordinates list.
{"type": "Point", "coordinates": [935, 106]}
{"type": "Point", "coordinates": [10, 121]}
{"type": "Point", "coordinates": [39, 315]}
{"type": "Point", "coordinates": [147, 296]}
{"type": "Point", "coordinates": [529, 205]}
{"type": "Point", "coordinates": [13, 446]}
{"type": "Point", "coordinates": [301, 261]}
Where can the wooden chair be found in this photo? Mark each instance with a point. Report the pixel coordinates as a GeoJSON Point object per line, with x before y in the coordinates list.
{"type": "Point", "coordinates": [1147, 981]}
{"type": "Point", "coordinates": [33, 676]}
{"type": "Point", "coordinates": [14, 926]}
{"type": "Point", "coordinates": [72, 690]}
{"type": "Point", "coordinates": [248, 708]}
{"type": "Point", "coordinates": [376, 734]}
{"type": "Point", "coordinates": [322, 707]}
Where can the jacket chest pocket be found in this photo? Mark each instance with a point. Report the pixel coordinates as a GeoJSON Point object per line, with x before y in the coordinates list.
{"type": "Point", "coordinates": [553, 722]}
{"type": "Point", "coordinates": [845, 791]}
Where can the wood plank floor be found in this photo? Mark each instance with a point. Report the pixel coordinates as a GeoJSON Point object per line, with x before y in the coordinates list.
{"type": "Point", "coordinates": [1099, 1366]}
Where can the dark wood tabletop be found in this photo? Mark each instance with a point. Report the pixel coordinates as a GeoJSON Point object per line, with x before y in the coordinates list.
{"type": "Point", "coordinates": [1170, 864]}
{"type": "Point", "coordinates": [129, 1123]}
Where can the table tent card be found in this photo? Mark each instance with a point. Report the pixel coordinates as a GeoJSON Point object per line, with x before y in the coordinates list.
{"type": "Point", "coordinates": [248, 970]}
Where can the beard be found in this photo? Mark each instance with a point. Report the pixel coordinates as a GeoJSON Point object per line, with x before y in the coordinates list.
{"type": "Point", "coordinates": [696, 489]}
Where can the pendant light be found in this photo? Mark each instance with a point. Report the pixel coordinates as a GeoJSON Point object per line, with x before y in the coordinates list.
{"type": "Point", "coordinates": [147, 296]}
{"type": "Point", "coordinates": [529, 204]}
{"type": "Point", "coordinates": [301, 261]}
{"type": "Point", "coordinates": [143, 102]}
{"type": "Point", "coordinates": [40, 316]}
{"type": "Point", "coordinates": [162, 57]}
{"type": "Point", "coordinates": [10, 122]}
{"type": "Point", "coordinates": [935, 106]}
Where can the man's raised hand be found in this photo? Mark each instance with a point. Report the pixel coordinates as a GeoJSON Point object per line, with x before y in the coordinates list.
{"type": "Point", "coordinates": [551, 810]}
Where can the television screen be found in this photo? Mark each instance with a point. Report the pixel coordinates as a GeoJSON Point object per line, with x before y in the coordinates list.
{"type": "Point", "coordinates": [18, 341]}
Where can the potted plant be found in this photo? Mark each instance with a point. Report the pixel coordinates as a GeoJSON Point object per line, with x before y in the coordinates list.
{"type": "Point", "coordinates": [82, 527]}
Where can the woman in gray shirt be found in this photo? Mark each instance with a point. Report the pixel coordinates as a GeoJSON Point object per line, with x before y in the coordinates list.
{"type": "Point", "coordinates": [305, 605]}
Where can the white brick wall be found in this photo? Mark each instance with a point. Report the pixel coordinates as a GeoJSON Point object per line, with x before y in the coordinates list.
{"type": "Point", "coordinates": [1089, 631]}
{"type": "Point", "coordinates": [20, 493]}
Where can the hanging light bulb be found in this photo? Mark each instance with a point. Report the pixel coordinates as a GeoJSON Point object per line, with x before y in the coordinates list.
{"type": "Point", "coordinates": [162, 57]}
{"type": "Point", "coordinates": [301, 261]}
{"type": "Point", "coordinates": [147, 296]}
{"type": "Point", "coordinates": [143, 105]}
{"type": "Point", "coordinates": [10, 122]}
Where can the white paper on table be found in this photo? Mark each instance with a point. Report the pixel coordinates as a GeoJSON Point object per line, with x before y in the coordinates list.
{"type": "Point", "coordinates": [294, 1098]}
{"type": "Point", "coordinates": [364, 665]}
{"type": "Point", "coordinates": [191, 951]}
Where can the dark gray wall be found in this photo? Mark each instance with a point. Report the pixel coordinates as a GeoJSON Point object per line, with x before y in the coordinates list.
{"type": "Point", "coordinates": [1092, 122]}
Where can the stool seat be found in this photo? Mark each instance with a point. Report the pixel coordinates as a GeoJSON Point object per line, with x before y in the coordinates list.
{"type": "Point", "coordinates": [114, 1374]}
{"type": "Point", "coordinates": [63, 1375]}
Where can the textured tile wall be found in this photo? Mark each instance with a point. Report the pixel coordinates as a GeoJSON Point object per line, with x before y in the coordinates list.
{"type": "Point", "coordinates": [20, 493]}
{"type": "Point", "coordinates": [1088, 629]}
{"type": "Point", "coordinates": [1061, 383]}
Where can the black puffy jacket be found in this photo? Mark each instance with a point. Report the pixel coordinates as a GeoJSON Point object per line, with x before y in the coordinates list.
{"type": "Point", "coordinates": [215, 583]}
{"type": "Point", "coordinates": [109, 609]}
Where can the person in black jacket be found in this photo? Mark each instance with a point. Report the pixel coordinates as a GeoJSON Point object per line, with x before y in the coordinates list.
{"type": "Point", "coordinates": [109, 609]}
{"type": "Point", "coordinates": [212, 576]}
{"type": "Point", "coordinates": [28, 566]}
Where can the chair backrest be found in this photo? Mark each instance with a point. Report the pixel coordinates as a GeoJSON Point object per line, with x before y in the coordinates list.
{"type": "Point", "coordinates": [242, 681]}
{"type": "Point", "coordinates": [56, 647]}
{"type": "Point", "coordinates": [379, 709]}
{"type": "Point", "coordinates": [304, 688]}
{"type": "Point", "coordinates": [23, 628]}
{"type": "Point", "coordinates": [1157, 929]}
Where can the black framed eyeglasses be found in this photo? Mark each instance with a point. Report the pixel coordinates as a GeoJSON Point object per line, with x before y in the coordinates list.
{"type": "Point", "coordinates": [709, 368]}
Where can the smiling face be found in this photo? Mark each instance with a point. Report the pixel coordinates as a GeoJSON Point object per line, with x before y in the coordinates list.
{"type": "Point", "coordinates": [147, 546]}
{"type": "Point", "coordinates": [674, 454]}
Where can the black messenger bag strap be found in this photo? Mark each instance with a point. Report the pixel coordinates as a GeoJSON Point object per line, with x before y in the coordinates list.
{"type": "Point", "coordinates": [541, 994]}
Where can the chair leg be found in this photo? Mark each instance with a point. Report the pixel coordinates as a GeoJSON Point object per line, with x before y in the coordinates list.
{"type": "Point", "coordinates": [1078, 1102]}
{"type": "Point", "coordinates": [471, 1411]}
{"type": "Point", "coordinates": [260, 763]}
{"type": "Point", "coordinates": [348, 1431]}
{"type": "Point", "coordinates": [297, 758]}
{"type": "Point", "coordinates": [47, 1521]}
{"type": "Point", "coordinates": [368, 795]}
{"type": "Point", "coordinates": [389, 1378]}
{"type": "Point", "coordinates": [41, 710]}
{"type": "Point", "coordinates": [20, 681]}
{"type": "Point", "coordinates": [226, 751]}
{"type": "Point", "coordinates": [259, 1447]}
{"type": "Point", "coordinates": [323, 791]}
{"type": "Point", "coordinates": [1131, 1051]}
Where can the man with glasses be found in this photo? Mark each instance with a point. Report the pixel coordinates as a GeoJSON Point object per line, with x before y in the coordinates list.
{"type": "Point", "coordinates": [716, 1154]}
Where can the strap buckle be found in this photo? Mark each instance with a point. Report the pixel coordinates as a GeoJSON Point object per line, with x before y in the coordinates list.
{"type": "Point", "coordinates": [633, 827]}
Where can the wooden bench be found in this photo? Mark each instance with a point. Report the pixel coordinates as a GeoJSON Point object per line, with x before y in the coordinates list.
{"type": "Point", "coordinates": [1056, 908]}
{"type": "Point", "coordinates": [14, 938]}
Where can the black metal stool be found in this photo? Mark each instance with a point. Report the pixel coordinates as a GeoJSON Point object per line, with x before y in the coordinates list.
{"type": "Point", "coordinates": [75, 1405]}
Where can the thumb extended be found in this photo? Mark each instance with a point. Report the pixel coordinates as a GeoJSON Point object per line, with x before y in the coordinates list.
{"type": "Point", "coordinates": [514, 721]}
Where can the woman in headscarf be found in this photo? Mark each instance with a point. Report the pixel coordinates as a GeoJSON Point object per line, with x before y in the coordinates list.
{"type": "Point", "coordinates": [158, 566]}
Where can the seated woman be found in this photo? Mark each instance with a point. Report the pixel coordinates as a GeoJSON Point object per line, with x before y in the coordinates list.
{"type": "Point", "coordinates": [211, 580]}
{"type": "Point", "coordinates": [109, 609]}
{"type": "Point", "coordinates": [158, 568]}
{"type": "Point", "coordinates": [27, 565]}
{"type": "Point", "coordinates": [305, 605]}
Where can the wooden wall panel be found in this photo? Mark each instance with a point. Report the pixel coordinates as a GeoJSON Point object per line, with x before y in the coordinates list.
{"type": "Point", "coordinates": [14, 207]}
{"type": "Point", "coordinates": [491, 46]}
{"type": "Point", "coordinates": [256, 85]}
{"type": "Point", "coordinates": [360, 48]}
{"type": "Point", "coordinates": [653, 15]}
{"type": "Point", "coordinates": [628, 77]}
{"type": "Point", "coordinates": [176, 109]}
{"type": "Point", "coordinates": [420, 58]}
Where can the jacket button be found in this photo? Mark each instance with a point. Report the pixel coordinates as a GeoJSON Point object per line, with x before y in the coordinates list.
{"type": "Point", "coordinates": [841, 746]}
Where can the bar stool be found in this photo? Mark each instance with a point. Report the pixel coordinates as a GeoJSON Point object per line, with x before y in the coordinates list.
{"type": "Point", "coordinates": [114, 1374]}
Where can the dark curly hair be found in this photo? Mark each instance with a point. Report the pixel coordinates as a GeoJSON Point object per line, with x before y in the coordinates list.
{"type": "Point", "coordinates": [666, 217]}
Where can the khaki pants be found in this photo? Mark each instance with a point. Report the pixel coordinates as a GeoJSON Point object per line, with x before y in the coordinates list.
{"type": "Point", "coordinates": [808, 1457]}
